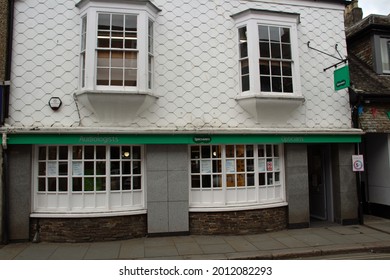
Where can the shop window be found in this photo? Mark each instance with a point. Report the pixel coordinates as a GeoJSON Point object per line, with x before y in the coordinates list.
{"type": "Point", "coordinates": [89, 178]}
{"type": "Point", "coordinates": [229, 175]}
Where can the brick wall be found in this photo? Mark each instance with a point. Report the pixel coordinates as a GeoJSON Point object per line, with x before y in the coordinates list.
{"type": "Point", "coordinates": [88, 229]}
{"type": "Point", "coordinates": [238, 222]}
{"type": "Point", "coordinates": [362, 48]}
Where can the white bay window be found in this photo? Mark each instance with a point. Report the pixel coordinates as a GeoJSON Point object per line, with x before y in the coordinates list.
{"type": "Point", "coordinates": [116, 58]}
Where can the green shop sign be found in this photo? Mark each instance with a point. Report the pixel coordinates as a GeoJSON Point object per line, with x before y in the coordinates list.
{"type": "Point", "coordinates": [341, 78]}
{"type": "Point", "coordinates": [124, 139]}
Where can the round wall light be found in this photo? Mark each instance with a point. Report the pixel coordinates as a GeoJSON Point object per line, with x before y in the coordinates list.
{"type": "Point", "coordinates": [55, 103]}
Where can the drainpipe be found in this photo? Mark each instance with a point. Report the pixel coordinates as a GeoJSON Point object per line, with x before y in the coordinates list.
{"type": "Point", "coordinates": [4, 115]}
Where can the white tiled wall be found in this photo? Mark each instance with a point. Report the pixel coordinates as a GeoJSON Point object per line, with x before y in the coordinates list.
{"type": "Point", "coordinates": [196, 66]}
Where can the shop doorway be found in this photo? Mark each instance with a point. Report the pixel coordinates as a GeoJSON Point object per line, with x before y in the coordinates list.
{"type": "Point", "coordinates": [320, 183]}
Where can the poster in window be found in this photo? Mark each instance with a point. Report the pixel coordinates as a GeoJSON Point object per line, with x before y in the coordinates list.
{"type": "Point", "coordinates": [269, 166]}
{"type": "Point", "coordinates": [261, 165]}
{"type": "Point", "coordinates": [206, 166]}
{"type": "Point", "coordinates": [230, 166]}
{"type": "Point", "coordinates": [52, 168]}
{"type": "Point", "coordinates": [77, 168]}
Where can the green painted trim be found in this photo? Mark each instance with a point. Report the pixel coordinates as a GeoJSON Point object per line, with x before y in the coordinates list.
{"type": "Point", "coordinates": [124, 139]}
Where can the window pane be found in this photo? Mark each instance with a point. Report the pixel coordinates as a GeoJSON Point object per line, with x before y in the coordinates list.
{"type": "Point", "coordinates": [240, 180]}
{"type": "Point", "coordinates": [287, 85]}
{"type": "Point", "coordinates": [240, 165]}
{"type": "Point", "coordinates": [101, 168]}
{"type": "Point", "coordinates": [136, 183]}
{"type": "Point", "coordinates": [100, 184]}
{"type": "Point", "coordinates": [100, 152]}
{"type": "Point", "coordinates": [217, 181]}
{"type": "Point", "coordinates": [275, 68]}
{"type": "Point", "coordinates": [274, 34]}
{"type": "Point", "coordinates": [275, 50]}
{"type": "Point", "coordinates": [77, 184]}
{"type": "Point", "coordinates": [103, 58]}
{"type": "Point", "coordinates": [103, 77]}
{"type": "Point", "coordinates": [262, 179]}
{"type": "Point", "coordinates": [240, 151]}
{"type": "Point", "coordinates": [229, 151]}
{"type": "Point", "coordinates": [131, 78]}
{"type": "Point", "coordinates": [63, 168]}
{"type": "Point", "coordinates": [195, 166]}
{"type": "Point", "coordinates": [244, 67]}
{"type": "Point", "coordinates": [104, 21]}
{"type": "Point", "coordinates": [89, 185]}
{"type": "Point", "coordinates": [131, 23]}
{"type": "Point", "coordinates": [115, 168]}
{"type": "Point", "coordinates": [117, 59]}
{"type": "Point", "coordinates": [265, 83]}
{"type": "Point", "coordinates": [286, 67]}
{"type": "Point", "coordinates": [89, 152]}
{"type": "Point", "coordinates": [117, 22]}
{"type": "Point", "coordinates": [136, 167]}
{"type": "Point", "coordinates": [62, 184]}
{"type": "Point", "coordinates": [52, 153]}
{"type": "Point", "coordinates": [245, 83]}
{"type": "Point", "coordinates": [136, 152]}
{"type": "Point", "coordinates": [89, 168]}
{"type": "Point", "coordinates": [195, 181]}
{"type": "Point", "coordinates": [230, 180]}
{"type": "Point", "coordinates": [42, 153]}
{"type": "Point", "coordinates": [103, 40]}
{"type": "Point", "coordinates": [276, 84]}
{"type": "Point", "coordinates": [285, 35]}
{"type": "Point", "coordinates": [126, 183]}
{"type": "Point", "coordinates": [250, 165]}
{"type": "Point", "coordinates": [243, 42]}
{"type": "Point", "coordinates": [249, 150]}
{"type": "Point", "coordinates": [217, 166]}
{"type": "Point", "coordinates": [130, 59]}
{"type": "Point", "coordinates": [263, 33]}
{"type": "Point", "coordinates": [63, 152]}
{"type": "Point", "coordinates": [216, 151]}
{"type": "Point", "coordinates": [250, 179]}
{"type": "Point", "coordinates": [52, 184]}
{"type": "Point", "coordinates": [126, 167]}
{"type": "Point", "coordinates": [264, 67]}
{"type": "Point", "coordinates": [206, 181]}
{"type": "Point", "coordinates": [286, 51]}
{"type": "Point", "coordinates": [206, 152]}
{"type": "Point", "coordinates": [115, 183]}
{"type": "Point", "coordinates": [41, 184]}
{"type": "Point", "coordinates": [115, 153]}
{"type": "Point", "coordinates": [126, 152]}
{"type": "Point", "coordinates": [264, 50]}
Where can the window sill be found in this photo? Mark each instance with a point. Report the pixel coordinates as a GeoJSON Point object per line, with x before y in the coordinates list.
{"type": "Point", "coordinates": [270, 108]}
{"type": "Point", "coordinates": [227, 208]}
{"type": "Point", "coordinates": [86, 214]}
{"type": "Point", "coordinates": [115, 107]}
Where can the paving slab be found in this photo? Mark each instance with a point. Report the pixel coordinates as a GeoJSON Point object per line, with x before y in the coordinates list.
{"type": "Point", "coordinates": [41, 251]}
{"type": "Point", "coordinates": [70, 252]}
{"type": "Point", "coordinates": [217, 248]}
{"type": "Point", "coordinates": [269, 245]}
{"type": "Point", "coordinates": [10, 251]}
{"type": "Point", "coordinates": [132, 250]}
{"type": "Point", "coordinates": [188, 248]}
{"type": "Point", "coordinates": [161, 251]}
{"type": "Point", "coordinates": [103, 251]}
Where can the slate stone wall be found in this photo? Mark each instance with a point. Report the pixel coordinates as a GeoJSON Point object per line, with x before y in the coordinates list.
{"type": "Point", "coordinates": [238, 222]}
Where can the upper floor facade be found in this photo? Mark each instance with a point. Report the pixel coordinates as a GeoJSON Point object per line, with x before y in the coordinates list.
{"type": "Point", "coordinates": [177, 65]}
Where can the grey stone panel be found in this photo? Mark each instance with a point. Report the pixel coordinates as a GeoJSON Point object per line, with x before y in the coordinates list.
{"type": "Point", "coordinates": [178, 216]}
{"type": "Point", "coordinates": [158, 217]}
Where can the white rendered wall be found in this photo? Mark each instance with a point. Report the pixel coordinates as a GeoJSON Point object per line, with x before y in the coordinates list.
{"type": "Point", "coordinates": [196, 66]}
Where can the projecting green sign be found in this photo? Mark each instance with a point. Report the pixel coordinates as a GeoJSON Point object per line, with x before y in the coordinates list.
{"type": "Point", "coordinates": [341, 78]}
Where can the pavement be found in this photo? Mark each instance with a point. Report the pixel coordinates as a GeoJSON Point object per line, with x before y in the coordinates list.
{"type": "Point", "coordinates": [320, 240]}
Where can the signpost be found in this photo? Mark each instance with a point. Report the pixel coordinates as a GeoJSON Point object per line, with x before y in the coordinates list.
{"type": "Point", "coordinates": [358, 163]}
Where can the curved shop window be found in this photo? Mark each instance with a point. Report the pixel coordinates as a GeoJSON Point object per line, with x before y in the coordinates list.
{"type": "Point", "coordinates": [229, 176]}
{"type": "Point", "coordinates": [88, 179]}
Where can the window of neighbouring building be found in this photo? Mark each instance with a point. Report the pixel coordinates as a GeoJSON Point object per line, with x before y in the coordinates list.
{"type": "Point", "coordinates": [79, 179]}
{"type": "Point", "coordinates": [236, 175]}
{"type": "Point", "coordinates": [385, 54]}
{"type": "Point", "coordinates": [268, 52]}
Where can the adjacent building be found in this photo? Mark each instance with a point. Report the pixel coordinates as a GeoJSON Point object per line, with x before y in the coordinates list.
{"type": "Point", "coordinates": [369, 53]}
{"type": "Point", "coordinates": [132, 118]}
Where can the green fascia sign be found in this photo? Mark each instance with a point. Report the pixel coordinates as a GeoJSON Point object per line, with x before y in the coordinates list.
{"type": "Point", "coordinates": [126, 139]}
{"type": "Point", "coordinates": [341, 78]}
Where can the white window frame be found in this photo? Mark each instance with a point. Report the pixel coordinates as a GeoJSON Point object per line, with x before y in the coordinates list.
{"type": "Point", "coordinates": [226, 198]}
{"type": "Point", "coordinates": [385, 54]}
{"type": "Point", "coordinates": [144, 13]}
{"type": "Point", "coordinates": [252, 19]}
{"type": "Point", "coordinates": [71, 202]}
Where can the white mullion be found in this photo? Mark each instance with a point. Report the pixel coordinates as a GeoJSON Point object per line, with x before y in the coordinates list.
{"type": "Point", "coordinates": [253, 56]}
{"type": "Point", "coordinates": [224, 174]}
{"type": "Point", "coordinates": [108, 177]}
